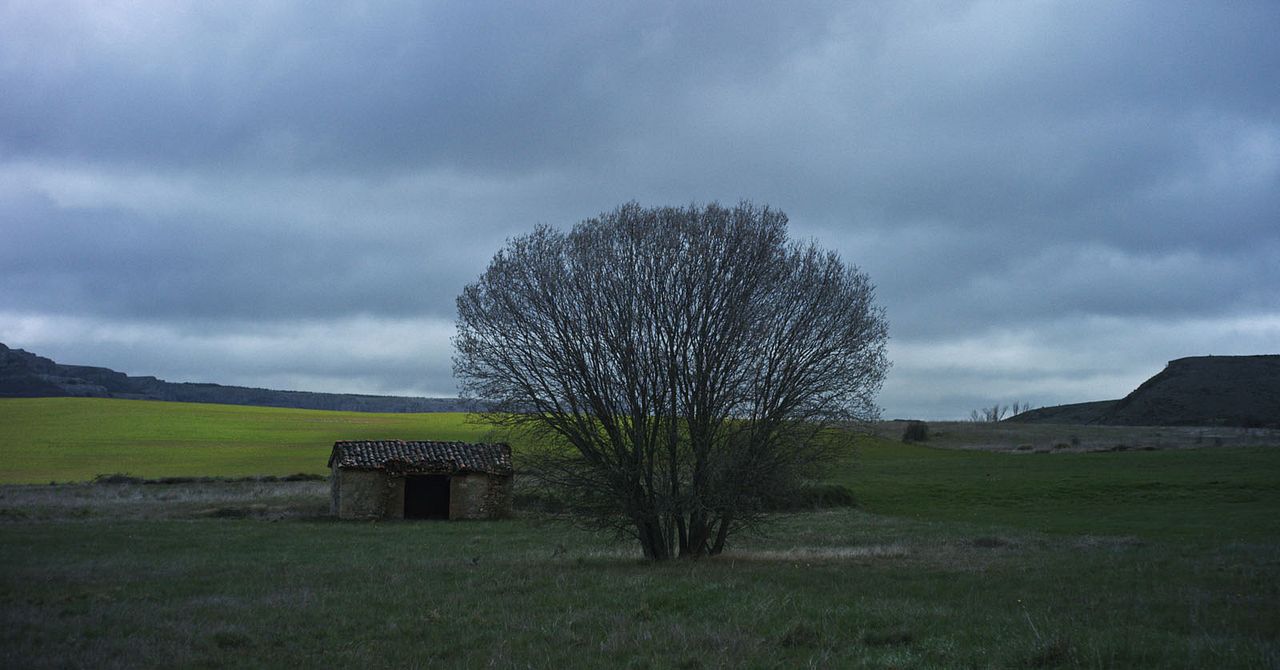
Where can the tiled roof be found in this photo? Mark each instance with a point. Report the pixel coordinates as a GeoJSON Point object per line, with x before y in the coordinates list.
{"type": "Point", "coordinates": [422, 456]}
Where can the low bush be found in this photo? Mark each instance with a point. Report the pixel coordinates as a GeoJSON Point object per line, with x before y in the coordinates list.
{"type": "Point", "coordinates": [117, 478]}
{"type": "Point", "coordinates": [539, 500]}
{"type": "Point", "coordinates": [916, 431]}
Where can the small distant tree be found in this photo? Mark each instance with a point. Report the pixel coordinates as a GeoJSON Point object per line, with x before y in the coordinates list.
{"type": "Point", "coordinates": [997, 412]}
{"type": "Point", "coordinates": [988, 414]}
{"type": "Point", "coordinates": [679, 368]}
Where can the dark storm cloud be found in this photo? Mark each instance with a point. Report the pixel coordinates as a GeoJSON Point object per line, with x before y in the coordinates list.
{"type": "Point", "coordinates": [480, 86]}
{"type": "Point", "coordinates": [231, 180]}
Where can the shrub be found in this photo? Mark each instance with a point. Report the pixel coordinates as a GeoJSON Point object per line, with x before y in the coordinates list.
{"type": "Point", "coordinates": [116, 478]}
{"type": "Point", "coordinates": [916, 431]}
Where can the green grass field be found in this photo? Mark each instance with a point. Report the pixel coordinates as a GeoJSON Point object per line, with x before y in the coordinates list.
{"type": "Point", "coordinates": [1219, 493]}
{"type": "Point", "coordinates": [954, 558]}
{"type": "Point", "coordinates": [1222, 492]}
{"type": "Point", "coordinates": [74, 439]}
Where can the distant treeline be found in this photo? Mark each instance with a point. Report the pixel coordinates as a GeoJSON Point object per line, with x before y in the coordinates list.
{"type": "Point", "coordinates": [26, 375]}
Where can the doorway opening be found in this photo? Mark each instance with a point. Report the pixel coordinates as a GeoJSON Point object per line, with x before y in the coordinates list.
{"type": "Point", "coordinates": [426, 497]}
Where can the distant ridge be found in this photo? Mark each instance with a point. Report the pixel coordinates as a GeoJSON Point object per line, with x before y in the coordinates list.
{"type": "Point", "coordinates": [26, 375]}
{"type": "Point", "coordinates": [1242, 391]}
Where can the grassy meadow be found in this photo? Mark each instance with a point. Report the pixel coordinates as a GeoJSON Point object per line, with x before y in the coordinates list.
{"type": "Point", "coordinates": [956, 557]}
{"type": "Point", "coordinates": [1225, 493]}
{"type": "Point", "coordinates": [74, 439]}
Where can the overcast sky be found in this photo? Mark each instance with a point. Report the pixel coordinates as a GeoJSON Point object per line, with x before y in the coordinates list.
{"type": "Point", "coordinates": [1053, 199]}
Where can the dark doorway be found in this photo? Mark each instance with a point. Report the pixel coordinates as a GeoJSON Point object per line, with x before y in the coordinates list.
{"type": "Point", "coordinates": [426, 497]}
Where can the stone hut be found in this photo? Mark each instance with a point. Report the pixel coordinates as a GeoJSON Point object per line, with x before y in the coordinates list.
{"type": "Point", "coordinates": [394, 479]}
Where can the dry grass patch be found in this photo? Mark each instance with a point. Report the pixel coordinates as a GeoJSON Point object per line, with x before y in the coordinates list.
{"type": "Point", "coordinates": [227, 499]}
{"type": "Point", "coordinates": [817, 554]}
{"type": "Point", "coordinates": [1069, 438]}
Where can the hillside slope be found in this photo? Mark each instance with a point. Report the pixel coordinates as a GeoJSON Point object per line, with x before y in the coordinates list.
{"type": "Point", "coordinates": [1075, 413]}
{"type": "Point", "coordinates": [26, 375]}
{"type": "Point", "coordinates": [1197, 391]}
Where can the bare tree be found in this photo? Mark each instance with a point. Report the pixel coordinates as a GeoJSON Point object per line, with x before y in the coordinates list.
{"type": "Point", "coordinates": [679, 367]}
{"type": "Point", "coordinates": [990, 414]}
{"type": "Point", "coordinates": [996, 412]}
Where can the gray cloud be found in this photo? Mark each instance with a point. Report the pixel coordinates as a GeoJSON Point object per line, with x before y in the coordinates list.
{"type": "Point", "coordinates": [478, 86]}
{"type": "Point", "coordinates": [997, 168]}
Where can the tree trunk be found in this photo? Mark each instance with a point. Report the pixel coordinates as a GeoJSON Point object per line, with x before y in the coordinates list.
{"type": "Point", "coordinates": [651, 540]}
{"type": "Point", "coordinates": [721, 534]}
{"type": "Point", "coordinates": [698, 532]}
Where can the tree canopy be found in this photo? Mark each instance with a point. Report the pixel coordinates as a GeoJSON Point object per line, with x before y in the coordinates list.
{"type": "Point", "coordinates": [680, 367]}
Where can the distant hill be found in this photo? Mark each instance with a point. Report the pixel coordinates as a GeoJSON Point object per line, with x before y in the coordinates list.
{"type": "Point", "coordinates": [26, 375]}
{"type": "Point", "coordinates": [1239, 391]}
{"type": "Point", "coordinates": [1081, 412]}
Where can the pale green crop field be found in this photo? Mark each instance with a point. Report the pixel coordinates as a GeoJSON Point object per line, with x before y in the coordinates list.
{"type": "Point", "coordinates": [1185, 493]}
{"type": "Point", "coordinates": [74, 439]}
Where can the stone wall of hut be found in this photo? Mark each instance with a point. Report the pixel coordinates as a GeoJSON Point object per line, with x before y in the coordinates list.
{"type": "Point", "coordinates": [366, 494]}
{"type": "Point", "coordinates": [479, 496]}
{"type": "Point", "coordinates": [375, 494]}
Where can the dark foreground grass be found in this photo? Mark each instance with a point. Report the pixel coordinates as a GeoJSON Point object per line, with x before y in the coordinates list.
{"type": "Point", "coordinates": [824, 589]}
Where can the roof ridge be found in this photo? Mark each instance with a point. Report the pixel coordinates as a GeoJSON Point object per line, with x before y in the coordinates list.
{"type": "Point", "coordinates": [423, 455]}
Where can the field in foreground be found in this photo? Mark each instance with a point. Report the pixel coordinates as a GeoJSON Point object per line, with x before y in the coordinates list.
{"type": "Point", "coordinates": [247, 574]}
{"type": "Point", "coordinates": [954, 558]}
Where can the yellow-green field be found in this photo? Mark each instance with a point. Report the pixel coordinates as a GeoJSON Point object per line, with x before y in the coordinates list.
{"type": "Point", "coordinates": [1184, 493]}
{"type": "Point", "coordinates": [74, 439]}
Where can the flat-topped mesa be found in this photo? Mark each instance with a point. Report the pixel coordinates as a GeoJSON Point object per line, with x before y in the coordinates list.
{"type": "Point", "coordinates": [1240, 391]}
